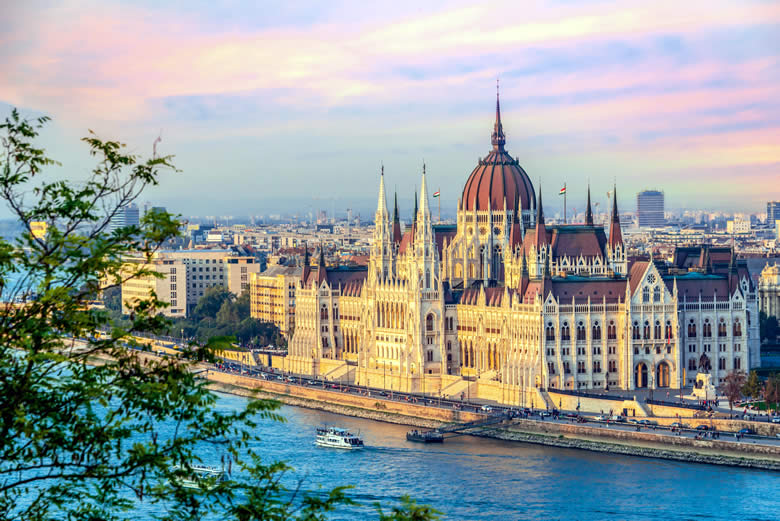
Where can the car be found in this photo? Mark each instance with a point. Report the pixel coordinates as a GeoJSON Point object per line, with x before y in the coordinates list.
{"type": "Point", "coordinates": [746, 431]}
{"type": "Point", "coordinates": [545, 413]}
{"type": "Point", "coordinates": [680, 425]}
{"type": "Point", "coordinates": [601, 418]}
{"type": "Point", "coordinates": [775, 419]}
{"type": "Point", "coordinates": [619, 419]}
{"type": "Point", "coordinates": [702, 428]}
{"type": "Point", "coordinates": [486, 408]}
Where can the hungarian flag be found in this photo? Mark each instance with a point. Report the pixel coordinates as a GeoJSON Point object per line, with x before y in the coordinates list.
{"type": "Point", "coordinates": [436, 193]}
{"type": "Point", "coordinates": [563, 190]}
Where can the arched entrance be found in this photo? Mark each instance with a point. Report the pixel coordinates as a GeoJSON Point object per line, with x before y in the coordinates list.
{"type": "Point", "coordinates": [662, 375]}
{"type": "Point", "coordinates": [640, 376]}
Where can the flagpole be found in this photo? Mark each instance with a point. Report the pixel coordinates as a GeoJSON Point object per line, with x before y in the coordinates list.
{"type": "Point", "coordinates": [439, 201]}
{"type": "Point", "coordinates": [564, 203]}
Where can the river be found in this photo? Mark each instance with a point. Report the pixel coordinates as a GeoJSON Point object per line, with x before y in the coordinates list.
{"type": "Point", "coordinates": [471, 478]}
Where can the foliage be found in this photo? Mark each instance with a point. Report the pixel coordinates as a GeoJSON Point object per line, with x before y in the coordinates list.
{"type": "Point", "coordinates": [752, 387]}
{"type": "Point", "coordinates": [409, 511]}
{"type": "Point", "coordinates": [732, 387]}
{"type": "Point", "coordinates": [768, 327]}
{"type": "Point", "coordinates": [79, 419]}
{"type": "Point", "coordinates": [770, 392]}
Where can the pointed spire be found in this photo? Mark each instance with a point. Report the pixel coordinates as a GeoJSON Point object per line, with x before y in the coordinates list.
{"type": "Point", "coordinates": [615, 235]}
{"type": "Point", "coordinates": [414, 215]}
{"type": "Point", "coordinates": [498, 139]}
{"type": "Point", "coordinates": [381, 207]}
{"type": "Point", "coordinates": [424, 210]}
{"type": "Point", "coordinates": [322, 272]}
{"type": "Point", "coordinates": [541, 230]}
{"type": "Point", "coordinates": [588, 211]}
{"type": "Point", "coordinates": [306, 264]}
{"type": "Point", "coordinates": [396, 222]}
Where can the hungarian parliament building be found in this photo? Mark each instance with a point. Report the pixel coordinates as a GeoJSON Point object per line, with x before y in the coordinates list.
{"type": "Point", "coordinates": [502, 303]}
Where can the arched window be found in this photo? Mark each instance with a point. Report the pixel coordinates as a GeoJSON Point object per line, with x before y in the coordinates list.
{"type": "Point", "coordinates": [324, 312]}
{"type": "Point", "coordinates": [657, 330]}
{"type": "Point", "coordinates": [657, 294]}
{"type": "Point", "coordinates": [581, 331]}
{"type": "Point", "coordinates": [691, 329]}
{"type": "Point", "coordinates": [611, 331]}
{"type": "Point", "coordinates": [550, 331]}
{"type": "Point", "coordinates": [737, 328]}
{"type": "Point", "coordinates": [691, 364]}
{"type": "Point", "coordinates": [565, 335]}
{"type": "Point", "coordinates": [707, 328]}
{"type": "Point", "coordinates": [646, 335]}
{"type": "Point", "coordinates": [635, 331]}
{"type": "Point", "coordinates": [722, 330]}
{"type": "Point", "coordinates": [429, 322]}
{"type": "Point", "coordinates": [596, 331]}
{"type": "Point", "coordinates": [646, 294]}
{"type": "Point", "coordinates": [669, 332]}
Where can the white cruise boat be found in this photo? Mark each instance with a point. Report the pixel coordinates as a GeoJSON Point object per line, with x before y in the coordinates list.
{"type": "Point", "coordinates": [336, 438]}
{"type": "Point", "coordinates": [200, 474]}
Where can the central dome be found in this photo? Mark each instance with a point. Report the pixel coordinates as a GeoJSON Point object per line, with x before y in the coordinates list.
{"type": "Point", "coordinates": [498, 179]}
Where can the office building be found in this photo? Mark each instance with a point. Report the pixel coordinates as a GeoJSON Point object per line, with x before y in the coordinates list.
{"type": "Point", "coordinates": [650, 209]}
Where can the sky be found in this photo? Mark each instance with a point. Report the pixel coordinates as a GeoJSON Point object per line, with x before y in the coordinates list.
{"type": "Point", "coordinates": [294, 105]}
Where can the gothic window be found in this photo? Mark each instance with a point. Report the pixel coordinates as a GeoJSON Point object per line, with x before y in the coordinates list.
{"type": "Point", "coordinates": [611, 331]}
{"type": "Point", "coordinates": [566, 368]}
{"type": "Point", "coordinates": [550, 332]}
{"type": "Point", "coordinates": [323, 312]}
{"type": "Point", "coordinates": [597, 366]}
{"type": "Point", "coordinates": [580, 331]}
{"type": "Point", "coordinates": [691, 364]}
{"type": "Point", "coordinates": [430, 356]}
{"type": "Point", "coordinates": [429, 322]}
{"type": "Point", "coordinates": [691, 329]}
{"type": "Point", "coordinates": [722, 330]}
{"type": "Point", "coordinates": [722, 364]}
{"type": "Point", "coordinates": [596, 331]}
{"type": "Point", "coordinates": [551, 367]}
{"type": "Point", "coordinates": [646, 294]}
{"type": "Point", "coordinates": [707, 328]}
{"type": "Point", "coordinates": [657, 294]}
{"type": "Point", "coordinates": [737, 363]}
{"type": "Point", "coordinates": [669, 332]}
{"type": "Point", "coordinates": [657, 330]}
{"type": "Point", "coordinates": [646, 335]}
{"type": "Point", "coordinates": [635, 331]}
{"type": "Point", "coordinates": [737, 328]}
{"type": "Point", "coordinates": [565, 335]}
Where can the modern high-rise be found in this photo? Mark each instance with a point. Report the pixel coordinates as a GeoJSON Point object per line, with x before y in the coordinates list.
{"type": "Point", "coordinates": [772, 212]}
{"type": "Point", "coordinates": [126, 216]}
{"type": "Point", "coordinates": [650, 209]}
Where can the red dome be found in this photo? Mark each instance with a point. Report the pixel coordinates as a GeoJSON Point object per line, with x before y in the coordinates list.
{"type": "Point", "coordinates": [499, 178]}
{"type": "Point", "coordinates": [496, 179]}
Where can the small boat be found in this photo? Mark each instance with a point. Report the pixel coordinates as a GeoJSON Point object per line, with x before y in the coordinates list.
{"type": "Point", "coordinates": [199, 476]}
{"type": "Point", "coordinates": [425, 436]}
{"type": "Point", "coordinates": [336, 438]}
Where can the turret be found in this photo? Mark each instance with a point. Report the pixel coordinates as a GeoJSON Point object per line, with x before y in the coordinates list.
{"type": "Point", "coordinates": [396, 222]}
{"type": "Point", "coordinates": [588, 211]}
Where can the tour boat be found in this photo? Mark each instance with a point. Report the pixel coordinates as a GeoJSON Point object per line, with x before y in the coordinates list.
{"type": "Point", "coordinates": [425, 436]}
{"type": "Point", "coordinates": [336, 438]}
{"type": "Point", "coordinates": [198, 475]}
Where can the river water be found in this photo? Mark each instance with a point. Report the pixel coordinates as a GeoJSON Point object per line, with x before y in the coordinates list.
{"type": "Point", "coordinates": [479, 479]}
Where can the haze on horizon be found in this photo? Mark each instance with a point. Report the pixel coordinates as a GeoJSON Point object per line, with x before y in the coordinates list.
{"type": "Point", "coordinates": [292, 105]}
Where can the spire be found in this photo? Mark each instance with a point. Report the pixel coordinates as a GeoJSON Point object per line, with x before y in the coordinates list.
{"type": "Point", "coordinates": [396, 222]}
{"type": "Point", "coordinates": [381, 207]}
{"type": "Point", "coordinates": [414, 215]}
{"type": "Point", "coordinates": [541, 230]}
{"type": "Point", "coordinates": [424, 210]}
{"type": "Point", "coordinates": [306, 265]}
{"type": "Point", "coordinates": [588, 211]}
{"type": "Point", "coordinates": [322, 272]}
{"type": "Point", "coordinates": [498, 139]}
{"type": "Point", "coordinates": [615, 235]}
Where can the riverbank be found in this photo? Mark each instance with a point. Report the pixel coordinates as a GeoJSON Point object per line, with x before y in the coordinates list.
{"type": "Point", "coordinates": [575, 436]}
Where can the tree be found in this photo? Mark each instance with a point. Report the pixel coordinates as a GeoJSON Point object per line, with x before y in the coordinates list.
{"type": "Point", "coordinates": [768, 327]}
{"type": "Point", "coordinates": [211, 302]}
{"type": "Point", "coordinates": [79, 439]}
{"type": "Point", "coordinates": [769, 392]}
{"type": "Point", "coordinates": [732, 386]}
{"type": "Point", "coordinates": [752, 387]}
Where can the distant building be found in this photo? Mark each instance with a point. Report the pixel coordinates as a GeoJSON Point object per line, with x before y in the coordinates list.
{"type": "Point", "coordinates": [737, 226]}
{"type": "Point", "coordinates": [772, 212]}
{"type": "Point", "coordinates": [39, 229]}
{"type": "Point", "coordinates": [769, 291]}
{"type": "Point", "coordinates": [650, 209]}
{"type": "Point", "coordinates": [272, 296]}
{"type": "Point", "coordinates": [125, 216]}
{"type": "Point", "coordinates": [238, 271]}
{"type": "Point", "coordinates": [172, 288]}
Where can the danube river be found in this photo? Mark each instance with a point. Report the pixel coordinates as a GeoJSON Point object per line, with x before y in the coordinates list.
{"type": "Point", "coordinates": [474, 478]}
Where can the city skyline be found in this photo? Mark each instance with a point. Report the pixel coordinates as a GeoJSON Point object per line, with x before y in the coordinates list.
{"type": "Point", "coordinates": [267, 101]}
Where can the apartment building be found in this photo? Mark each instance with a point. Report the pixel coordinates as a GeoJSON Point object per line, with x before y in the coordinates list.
{"type": "Point", "coordinates": [272, 296]}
